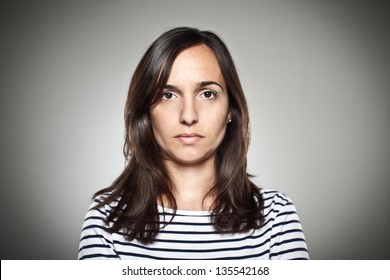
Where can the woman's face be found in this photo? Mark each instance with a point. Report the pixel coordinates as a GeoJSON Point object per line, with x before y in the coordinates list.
{"type": "Point", "coordinates": [189, 120]}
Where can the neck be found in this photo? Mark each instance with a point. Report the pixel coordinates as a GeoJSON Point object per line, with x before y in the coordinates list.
{"type": "Point", "coordinates": [191, 184]}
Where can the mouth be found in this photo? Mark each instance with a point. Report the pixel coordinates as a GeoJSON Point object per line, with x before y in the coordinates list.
{"type": "Point", "coordinates": [189, 138]}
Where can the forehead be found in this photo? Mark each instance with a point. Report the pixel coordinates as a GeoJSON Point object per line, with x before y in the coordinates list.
{"type": "Point", "coordinates": [196, 64]}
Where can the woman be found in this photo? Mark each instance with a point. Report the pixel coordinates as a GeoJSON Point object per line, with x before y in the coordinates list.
{"type": "Point", "coordinates": [185, 192]}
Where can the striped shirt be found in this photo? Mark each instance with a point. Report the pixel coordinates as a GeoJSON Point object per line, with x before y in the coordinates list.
{"type": "Point", "coordinates": [191, 235]}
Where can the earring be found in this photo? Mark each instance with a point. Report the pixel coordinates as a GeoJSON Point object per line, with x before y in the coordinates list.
{"type": "Point", "coordinates": [229, 120]}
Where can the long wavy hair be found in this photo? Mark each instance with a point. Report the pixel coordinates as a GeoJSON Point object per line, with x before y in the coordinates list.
{"type": "Point", "coordinates": [238, 204]}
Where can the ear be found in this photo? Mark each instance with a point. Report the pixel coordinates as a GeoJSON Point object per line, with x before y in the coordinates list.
{"type": "Point", "coordinates": [229, 118]}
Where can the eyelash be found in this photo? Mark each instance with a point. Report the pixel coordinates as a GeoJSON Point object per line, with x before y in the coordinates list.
{"type": "Point", "coordinates": [212, 95]}
{"type": "Point", "coordinates": [164, 95]}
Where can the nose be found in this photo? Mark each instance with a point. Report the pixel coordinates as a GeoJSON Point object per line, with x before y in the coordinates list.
{"type": "Point", "coordinates": [189, 113]}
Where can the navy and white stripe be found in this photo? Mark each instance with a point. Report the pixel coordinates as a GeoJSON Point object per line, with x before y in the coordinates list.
{"type": "Point", "coordinates": [190, 235]}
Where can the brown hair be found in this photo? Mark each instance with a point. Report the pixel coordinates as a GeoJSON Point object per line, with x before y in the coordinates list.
{"type": "Point", "coordinates": [238, 205]}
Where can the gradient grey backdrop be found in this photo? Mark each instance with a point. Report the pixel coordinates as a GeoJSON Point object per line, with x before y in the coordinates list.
{"type": "Point", "coordinates": [316, 75]}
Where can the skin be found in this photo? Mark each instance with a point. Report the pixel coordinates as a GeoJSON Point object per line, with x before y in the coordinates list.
{"type": "Point", "coordinates": [189, 123]}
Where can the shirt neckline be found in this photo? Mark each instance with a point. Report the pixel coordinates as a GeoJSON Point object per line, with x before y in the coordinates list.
{"type": "Point", "coordinates": [183, 212]}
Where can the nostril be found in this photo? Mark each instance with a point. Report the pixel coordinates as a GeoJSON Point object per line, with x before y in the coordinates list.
{"type": "Point", "coordinates": [189, 114]}
{"type": "Point", "coordinates": [188, 121]}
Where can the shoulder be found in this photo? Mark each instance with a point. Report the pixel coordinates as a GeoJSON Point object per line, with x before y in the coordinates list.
{"type": "Point", "coordinates": [100, 208]}
{"type": "Point", "coordinates": [277, 202]}
{"type": "Point", "coordinates": [101, 198]}
{"type": "Point", "coordinates": [95, 240]}
{"type": "Point", "coordinates": [95, 221]}
{"type": "Point", "coordinates": [274, 196]}
{"type": "Point", "coordinates": [281, 220]}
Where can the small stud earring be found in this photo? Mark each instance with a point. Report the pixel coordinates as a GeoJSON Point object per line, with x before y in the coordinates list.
{"type": "Point", "coordinates": [229, 120]}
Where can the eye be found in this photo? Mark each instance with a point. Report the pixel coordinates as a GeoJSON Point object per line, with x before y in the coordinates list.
{"type": "Point", "coordinates": [209, 94]}
{"type": "Point", "coordinates": [168, 96]}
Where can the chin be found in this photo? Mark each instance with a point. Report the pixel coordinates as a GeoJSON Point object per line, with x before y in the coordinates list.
{"type": "Point", "coordinates": [188, 160]}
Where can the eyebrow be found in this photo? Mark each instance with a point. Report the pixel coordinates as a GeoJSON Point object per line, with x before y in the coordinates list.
{"type": "Point", "coordinates": [198, 85]}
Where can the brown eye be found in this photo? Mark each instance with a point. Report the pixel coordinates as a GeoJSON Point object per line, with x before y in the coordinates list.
{"type": "Point", "coordinates": [167, 95]}
{"type": "Point", "coordinates": [209, 94]}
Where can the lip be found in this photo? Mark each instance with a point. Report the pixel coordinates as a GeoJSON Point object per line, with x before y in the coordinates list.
{"type": "Point", "coordinates": [189, 138]}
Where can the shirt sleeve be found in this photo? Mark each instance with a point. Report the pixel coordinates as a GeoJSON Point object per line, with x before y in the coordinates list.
{"type": "Point", "coordinates": [95, 241]}
{"type": "Point", "coordinates": [287, 237]}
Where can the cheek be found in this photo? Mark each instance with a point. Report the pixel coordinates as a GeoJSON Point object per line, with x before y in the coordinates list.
{"type": "Point", "coordinates": [156, 118]}
{"type": "Point", "coordinates": [215, 118]}
{"type": "Point", "coordinates": [161, 127]}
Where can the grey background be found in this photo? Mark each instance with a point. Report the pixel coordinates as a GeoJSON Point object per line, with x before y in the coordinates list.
{"type": "Point", "coordinates": [316, 76]}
